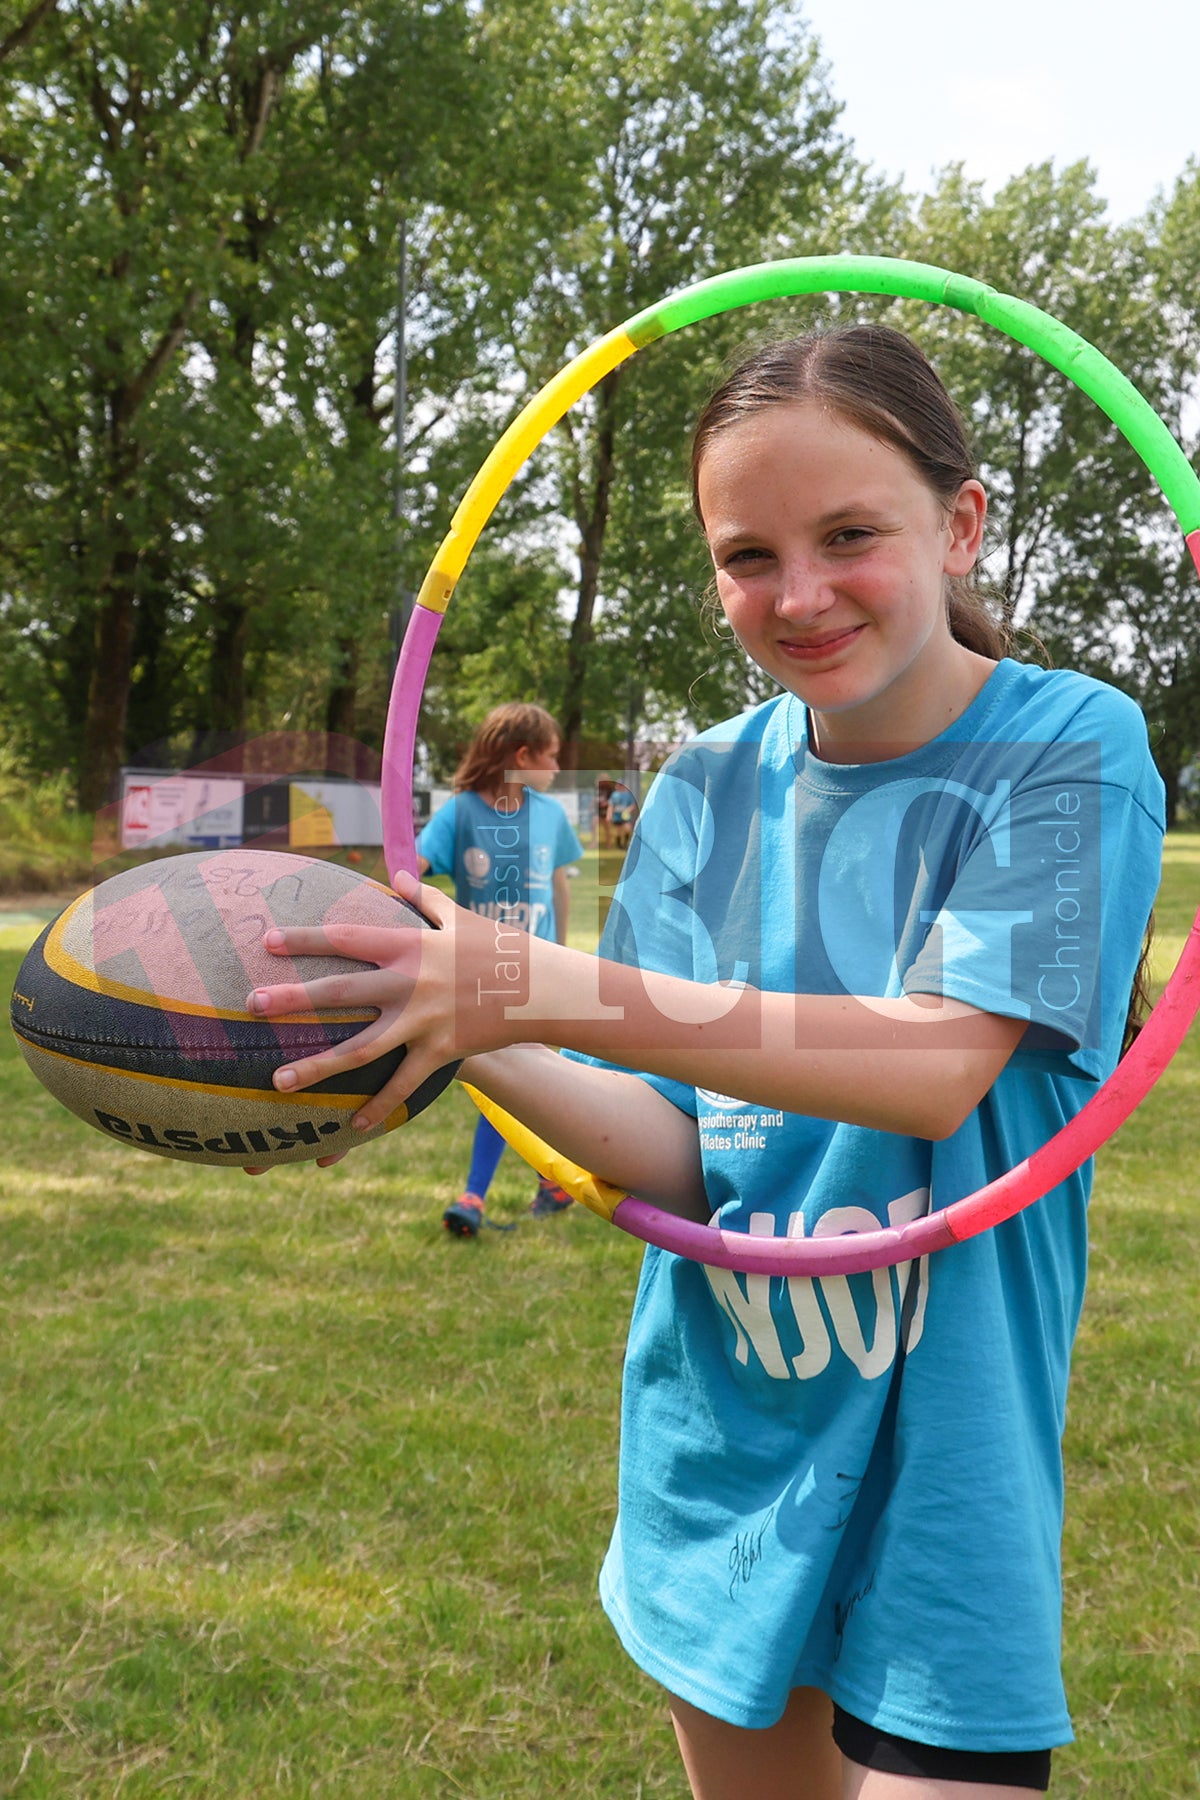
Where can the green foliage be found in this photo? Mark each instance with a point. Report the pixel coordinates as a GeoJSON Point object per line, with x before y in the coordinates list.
{"type": "Point", "coordinates": [192, 446]}
{"type": "Point", "coordinates": [668, 144]}
{"type": "Point", "coordinates": [209, 527]}
{"type": "Point", "coordinates": [45, 842]}
{"type": "Point", "coordinates": [1084, 547]}
{"type": "Point", "coordinates": [202, 462]}
{"type": "Point", "coordinates": [1060, 477]}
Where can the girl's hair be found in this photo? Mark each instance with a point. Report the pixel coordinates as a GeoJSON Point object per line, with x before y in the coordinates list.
{"type": "Point", "coordinates": [876, 379]}
{"type": "Point", "coordinates": [1141, 998]}
{"type": "Point", "coordinates": [495, 743]}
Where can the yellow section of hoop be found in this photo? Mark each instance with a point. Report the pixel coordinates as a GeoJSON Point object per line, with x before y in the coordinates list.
{"type": "Point", "coordinates": [510, 453]}
{"type": "Point", "coordinates": [595, 1194]}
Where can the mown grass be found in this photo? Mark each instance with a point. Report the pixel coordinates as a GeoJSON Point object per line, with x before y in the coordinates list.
{"type": "Point", "coordinates": [300, 1497]}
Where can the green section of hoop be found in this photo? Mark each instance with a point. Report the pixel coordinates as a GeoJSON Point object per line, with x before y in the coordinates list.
{"type": "Point", "coordinates": [1063, 348]}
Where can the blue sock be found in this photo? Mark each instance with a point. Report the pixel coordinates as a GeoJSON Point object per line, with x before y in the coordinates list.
{"type": "Point", "coordinates": [486, 1152]}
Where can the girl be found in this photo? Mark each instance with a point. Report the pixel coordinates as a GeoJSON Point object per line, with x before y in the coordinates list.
{"type": "Point", "coordinates": [874, 942]}
{"type": "Point", "coordinates": [508, 847]}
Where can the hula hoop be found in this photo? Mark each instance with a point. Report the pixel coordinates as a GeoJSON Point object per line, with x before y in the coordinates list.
{"type": "Point", "coordinates": [1090, 371]}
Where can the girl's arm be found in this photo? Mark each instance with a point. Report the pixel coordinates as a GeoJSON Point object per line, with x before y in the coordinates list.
{"type": "Point", "coordinates": [605, 1120]}
{"type": "Point", "coordinates": [915, 1065]}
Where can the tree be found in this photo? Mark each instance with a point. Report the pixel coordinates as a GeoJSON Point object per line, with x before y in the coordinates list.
{"type": "Point", "coordinates": [180, 181]}
{"type": "Point", "coordinates": [1142, 627]}
{"type": "Point", "coordinates": [366, 151]}
{"type": "Point", "coordinates": [1086, 553]}
{"type": "Point", "coordinates": [25, 27]}
{"type": "Point", "coordinates": [1047, 449]}
{"type": "Point", "coordinates": [119, 210]}
{"type": "Point", "coordinates": [658, 146]}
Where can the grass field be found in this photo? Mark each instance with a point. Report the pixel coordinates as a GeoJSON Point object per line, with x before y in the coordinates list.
{"type": "Point", "coordinates": [299, 1497]}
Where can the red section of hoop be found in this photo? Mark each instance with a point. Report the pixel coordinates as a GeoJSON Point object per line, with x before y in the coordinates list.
{"type": "Point", "coordinates": [1134, 1076]}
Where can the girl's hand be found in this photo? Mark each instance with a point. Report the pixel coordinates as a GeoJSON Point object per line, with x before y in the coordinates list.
{"type": "Point", "coordinates": [427, 986]}
{"type": "Point", "coordinates": [323, 1162]}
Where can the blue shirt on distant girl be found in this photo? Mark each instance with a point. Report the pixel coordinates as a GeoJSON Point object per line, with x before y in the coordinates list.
{"type": "Point", "coordinates": [508, 846]}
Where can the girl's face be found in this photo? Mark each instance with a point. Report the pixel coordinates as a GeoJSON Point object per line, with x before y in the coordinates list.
{"type": "Point", "coordinates": [536, 768]}
{"type": "Point", "coordinates": [831, 557]}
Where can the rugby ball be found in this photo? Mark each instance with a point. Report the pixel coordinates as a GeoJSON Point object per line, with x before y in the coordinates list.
{"type": "Point", "coordinates": [130, 1009]}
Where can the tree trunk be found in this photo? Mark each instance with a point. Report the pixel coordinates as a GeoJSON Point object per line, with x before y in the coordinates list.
{"type": "Point", "coordinates": [344, 755]}
{"type": "Point", "coordinates": [1171, 742]}
{"type": "Point", "coordinates": [227, 664]}
{"type": "Point", "coordinates": [341, 709]}
{"type": "Point", "coordinates": [153, 694]}
{"type": "Point", "coordinates": [108, 691]}
{"type": "Point", "coordinates": [24, 30]}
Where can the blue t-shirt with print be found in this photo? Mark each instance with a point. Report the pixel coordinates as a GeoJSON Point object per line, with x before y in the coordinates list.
{"type": "Point", "coordinates": [856, 1482]}
{"type": "Point", "coordinates": [503, 863]}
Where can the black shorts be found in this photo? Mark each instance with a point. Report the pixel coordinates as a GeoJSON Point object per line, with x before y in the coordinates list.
{"type": "Point", "coordinates": [875, 1749]}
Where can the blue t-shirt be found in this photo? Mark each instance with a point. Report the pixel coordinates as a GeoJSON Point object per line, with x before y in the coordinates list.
{"type": "Point", "coordinates": [503, 863]}
{"type": "Point", "coordinates": [856, 1482]}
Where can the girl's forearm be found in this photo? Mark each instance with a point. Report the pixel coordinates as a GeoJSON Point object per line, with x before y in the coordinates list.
{"type": "Point", "coordinates": [609, 1122]}
{"type": "Point", "coordinates": [915, 1065]}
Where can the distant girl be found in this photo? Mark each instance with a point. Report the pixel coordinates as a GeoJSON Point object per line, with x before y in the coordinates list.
{"type": "Point", "coordinates": [874, 943]}
{"type": "Point", "coordinates": [508, 847]}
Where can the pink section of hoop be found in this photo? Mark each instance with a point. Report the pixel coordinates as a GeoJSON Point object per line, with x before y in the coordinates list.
{"type": "Point", "coordinates": [400, 737]}
{"type": "Point", "coordinates": [1192, 540]}
{"type": "Point", "coordinates": [852, 1253]}
{"type": "Point", "coordinates": [749, 1255]}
